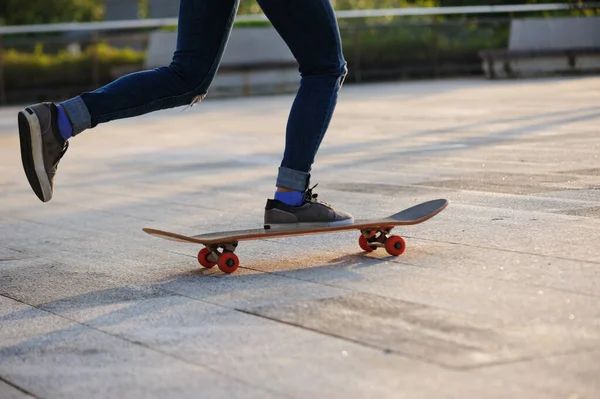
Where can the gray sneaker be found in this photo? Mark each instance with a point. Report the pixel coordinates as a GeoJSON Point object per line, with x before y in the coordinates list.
{"type": "Point", "coordinates": [312, 213]}
{"type": "Point", "coordinates": [42, 147]}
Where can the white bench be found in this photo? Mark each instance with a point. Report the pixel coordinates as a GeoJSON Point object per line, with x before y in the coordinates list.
{"type": "Point", "coordinates": [256, 61]}
{"type": "Point", "coordinates": [163, 8]}
{"type": "Point", "coordinates": [547, 46]}
{"type": "Point", "coordinates": [121, 9]}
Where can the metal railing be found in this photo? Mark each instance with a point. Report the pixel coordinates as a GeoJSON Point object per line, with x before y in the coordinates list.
{"type": "Point", "coordinates": [343, 14]}
{"type": "Point", "coordinates": [94, 28]}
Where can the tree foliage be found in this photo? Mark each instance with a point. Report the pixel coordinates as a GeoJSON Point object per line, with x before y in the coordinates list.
{"type": "Point", "coordinates": [20, 12]}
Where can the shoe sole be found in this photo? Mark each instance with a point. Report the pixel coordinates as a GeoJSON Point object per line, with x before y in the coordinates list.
{"type": "Point", "coordinates": [294, 226]}
{"type": "Point", "coordinates": [32, 154]}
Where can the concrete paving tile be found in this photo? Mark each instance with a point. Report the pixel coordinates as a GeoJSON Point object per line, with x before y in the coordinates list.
{"type": "Point", "coordinates": [21, 322]}
{"type": "Point", "coordinates": [575, 375]}
{"type": "Point", "coordinates": [589, 194]}
{"type": "Point", "coordinates": [541, 288]}
{"type": "Point", "coordinates": [74, 361]}
{"type": "Point", "coordinates": [247, 287]}
{"type": "Point", "coordinates": [9, 392]}
{"type": "Point", "coordinates": [503, 300]}
{"type": "Point", "coordinates": [11, 255]}
{"type": "Point", "coordinates": [339, 252]}
{"type": "Point", "coordinates": [249, 347]}
{"type": "Point", "coordinates": [25, 232]}
{"type": "Point", "coordinates": [258, 349]}
{"type": "Point", "coordinates": [525, 269]}
{"type": "Point", "coordinates": [436, 335]}
{"type": "Point", "coordinates": [37, 283]}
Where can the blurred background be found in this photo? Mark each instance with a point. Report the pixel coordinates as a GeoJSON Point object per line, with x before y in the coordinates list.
{"type": "Point", "coordinates": [55, 49]}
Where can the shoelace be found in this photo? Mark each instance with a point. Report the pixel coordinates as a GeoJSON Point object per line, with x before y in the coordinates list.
{"type": "Point", "coordinates": [309, 196]}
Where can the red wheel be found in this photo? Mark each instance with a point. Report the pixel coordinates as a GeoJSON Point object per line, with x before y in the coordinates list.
{"type": "Point", "coordinates": [228, 262]}
{"type": "Point", "coordinates": [364, 244]}
{"type": "Point", "coordinates": [203, 258]}
{"type": "Point", "coordinates": [395, 245]}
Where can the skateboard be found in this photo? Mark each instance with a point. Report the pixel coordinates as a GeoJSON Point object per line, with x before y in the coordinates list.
{"type": "Point", "coordinates": [219, 247]}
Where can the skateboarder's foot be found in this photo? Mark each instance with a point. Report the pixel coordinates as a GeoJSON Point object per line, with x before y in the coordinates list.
{"type": "Point", "coordinates": [42, 147]}
{"type": "Point", "coordinates": [311, 213]}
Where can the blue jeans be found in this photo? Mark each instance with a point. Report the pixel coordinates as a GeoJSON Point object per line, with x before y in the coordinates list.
{"type": "Point", "coordinates": [308, 27]}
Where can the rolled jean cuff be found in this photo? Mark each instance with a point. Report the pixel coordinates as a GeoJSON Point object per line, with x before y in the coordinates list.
{"type": "Point", "coordinates": [292, 179]}
{"type": "Point", "coordinates": [78, 114]}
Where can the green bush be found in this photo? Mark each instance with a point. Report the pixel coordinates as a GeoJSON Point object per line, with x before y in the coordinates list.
{"type": "Point", "coordinates": [398, 45]}
{"type": "Point", "coordinates": [39, 70]}
{"type": "Point", "coordinates": [19, 12]}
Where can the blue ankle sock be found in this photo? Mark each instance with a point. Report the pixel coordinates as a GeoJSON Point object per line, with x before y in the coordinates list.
{"type": "Point", "coordinates": [291, 198]}
{"type": "Point", "coordinates": [64, 124]}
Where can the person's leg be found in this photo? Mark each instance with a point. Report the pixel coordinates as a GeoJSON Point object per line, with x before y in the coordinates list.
{"type": "Point", "coordinates": [310, 30]}
{"type": "Point", "coordinates": [203, 31]}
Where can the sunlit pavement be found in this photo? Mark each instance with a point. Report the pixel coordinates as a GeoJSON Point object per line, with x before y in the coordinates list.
{"type": "Point", "coordinates": [496, 297]}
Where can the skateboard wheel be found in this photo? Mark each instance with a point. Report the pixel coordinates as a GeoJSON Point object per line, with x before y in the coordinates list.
{"type": "Point", "coordinates": [364, 244]}
{"type": "Point", "coordinates": [228, 262]}
{"type": "Point", "coordinates": [395, 245]}
{"type": "Point", "coordinates": [203, 258]}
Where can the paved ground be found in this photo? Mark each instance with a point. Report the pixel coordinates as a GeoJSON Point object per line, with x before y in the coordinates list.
{"type": "Point", "coordinates": [496, 297]}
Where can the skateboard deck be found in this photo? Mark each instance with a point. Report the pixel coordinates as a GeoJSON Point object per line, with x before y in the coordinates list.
{"type": "Point", "coordinates": [219, 247]}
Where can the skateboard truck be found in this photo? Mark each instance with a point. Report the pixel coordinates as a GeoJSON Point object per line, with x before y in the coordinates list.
{"type": "Point", "coordinates": [370, 240]}
{"type": "Point", "coordinates": [223, 256]}
{"type": "Point", "coordinates": [220, 255]}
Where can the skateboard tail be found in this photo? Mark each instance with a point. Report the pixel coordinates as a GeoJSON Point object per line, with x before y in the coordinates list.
{"type": "Point", "coordinates": [166, 235]}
